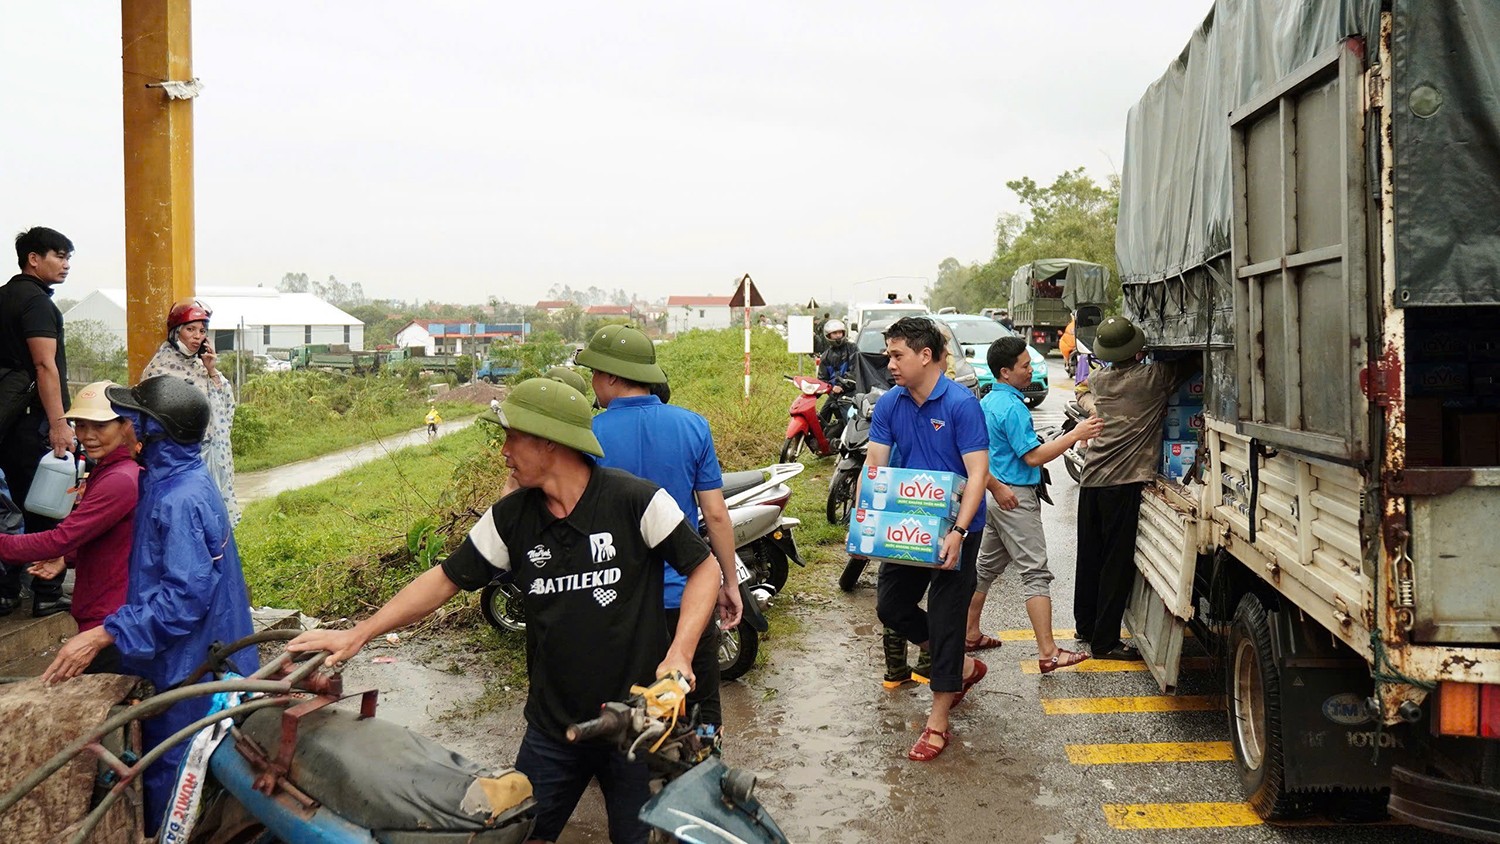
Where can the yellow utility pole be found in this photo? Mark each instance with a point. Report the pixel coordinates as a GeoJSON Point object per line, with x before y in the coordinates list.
{"type": "Point", "coordinates": [157, 48]}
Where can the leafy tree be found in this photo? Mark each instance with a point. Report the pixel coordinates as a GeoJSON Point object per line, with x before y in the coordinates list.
{"type": "Point", "coordinates": [293, 283]}
{"type": "Point", "coordinates": [539, 353]}
{"type": "Point", "coordinates": [94, 352]}
{"type": "Point", "coordinates": [1074, 217]}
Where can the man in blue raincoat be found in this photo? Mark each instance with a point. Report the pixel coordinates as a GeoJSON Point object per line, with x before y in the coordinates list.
{"type": "Point", "coordinates": [186, 590]}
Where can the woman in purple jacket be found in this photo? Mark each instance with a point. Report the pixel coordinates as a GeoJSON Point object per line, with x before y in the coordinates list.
{"type": "Point", "coordinates": [95, 537]}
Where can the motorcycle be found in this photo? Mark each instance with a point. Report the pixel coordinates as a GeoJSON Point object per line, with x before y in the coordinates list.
{"type": "Point", "coordinates": [274, 762]}
{"type": "Point", "coordinates": [852, 446]}
{"type": "Point", "coordinates": [282, 765]}
{"type": "Point", "coordinates": [757, 501]}
{"type": "Point", "coordinates": [1074, 456]}
{"type": "Point", "coordinates": [805, 429]}
{"type": "Point", "coordinates": [697, 797]}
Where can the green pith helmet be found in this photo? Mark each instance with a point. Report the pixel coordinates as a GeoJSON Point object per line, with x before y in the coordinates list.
{"type": "Point", "coordinates": [553, 411]}
{"type": "Point", "coordinates": [624, 351]}
{"type": "Point", "coordinates": [1118, 339]}
{"type": "Point", "coordinates": [568, 376]}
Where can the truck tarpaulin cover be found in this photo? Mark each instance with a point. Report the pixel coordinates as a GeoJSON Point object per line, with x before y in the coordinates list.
{"type": "Point", "coordinates": [1175, 200]}
{"type": "Point", "coordinates": [1447, 138]}
{"type": "Point", "coordinates": [1082, 283]}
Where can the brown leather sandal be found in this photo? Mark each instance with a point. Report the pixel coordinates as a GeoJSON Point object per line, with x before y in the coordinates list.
{"type": "Point", "coordinates": [1062, 659]}
{"type": "Point", "coordinates": [926, 751]}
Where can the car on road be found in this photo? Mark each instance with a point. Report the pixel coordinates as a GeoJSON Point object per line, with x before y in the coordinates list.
{"type": "Point", "coordinates": [872, 339]}
{"type": "Point", "coordinates": [975, 333]}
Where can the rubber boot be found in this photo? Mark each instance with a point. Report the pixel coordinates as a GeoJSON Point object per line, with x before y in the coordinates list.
{"type": "Point", "coordinates": [923, 672]}
{"type": "Point", "coordinates": [897, 670]}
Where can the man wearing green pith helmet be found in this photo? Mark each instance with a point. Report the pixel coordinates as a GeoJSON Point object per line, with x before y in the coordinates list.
{"type": "Point", "coordinates": [585, 545]}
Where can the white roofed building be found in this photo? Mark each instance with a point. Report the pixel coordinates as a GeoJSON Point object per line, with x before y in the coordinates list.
{"type": "Point", "coordinates": [249, 318]}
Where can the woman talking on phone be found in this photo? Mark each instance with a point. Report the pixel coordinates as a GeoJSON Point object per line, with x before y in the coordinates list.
{"type": "Point", "coordinates": [188, 353]}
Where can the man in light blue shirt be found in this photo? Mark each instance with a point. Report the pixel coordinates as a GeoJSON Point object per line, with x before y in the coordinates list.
{"type": "Point", "coordinates": [1013, 529]}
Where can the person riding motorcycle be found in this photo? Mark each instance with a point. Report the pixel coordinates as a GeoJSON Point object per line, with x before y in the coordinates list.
{"type": "Point", "coordinates": [836, 362]}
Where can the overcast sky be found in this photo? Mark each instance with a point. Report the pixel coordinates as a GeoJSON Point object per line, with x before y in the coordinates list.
{"type": "Point", "coordinates": [456, 150]}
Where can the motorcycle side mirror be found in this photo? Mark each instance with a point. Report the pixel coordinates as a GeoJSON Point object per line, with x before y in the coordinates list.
{"type": "Point", "coordinates": [1088, 316]}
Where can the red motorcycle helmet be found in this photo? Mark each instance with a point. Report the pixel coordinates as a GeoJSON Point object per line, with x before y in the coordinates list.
{"type": "Point", "coordinates": [183, 313]}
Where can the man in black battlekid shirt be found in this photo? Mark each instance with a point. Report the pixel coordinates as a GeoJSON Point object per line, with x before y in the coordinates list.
{"type": "Point", "coordinates": [584, 544]}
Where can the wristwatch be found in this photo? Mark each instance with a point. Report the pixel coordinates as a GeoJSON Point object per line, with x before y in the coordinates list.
{"type": "Point", "coordinates": [963, 532]}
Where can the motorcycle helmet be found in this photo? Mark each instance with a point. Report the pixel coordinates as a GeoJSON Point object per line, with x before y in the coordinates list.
{"type": "Point", "coordinates": [180, 408]}
{"type": "Point", "coordinates": [183, 313]}
{"type": "Point", "coordinates": [834, 325]}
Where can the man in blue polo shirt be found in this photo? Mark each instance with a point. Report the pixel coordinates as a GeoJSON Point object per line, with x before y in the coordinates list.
{"type": "Point", "coordinates": [933, 423]}
{"type": "Point", "coordinates": [1013, 518]}
{"type": "Point", "coordinates": [670, 446]}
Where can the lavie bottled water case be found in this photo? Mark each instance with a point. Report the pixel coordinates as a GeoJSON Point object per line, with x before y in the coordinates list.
{"type": "Point", "coordinates": [897, 537]}
{"type": "Point", "coordinates": [920, 492]}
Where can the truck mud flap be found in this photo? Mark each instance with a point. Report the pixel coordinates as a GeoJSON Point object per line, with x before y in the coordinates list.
{"type": "Point", "coordinates": [1156, 632]}
{"type": "Point", "coordinates": [1470, 811]}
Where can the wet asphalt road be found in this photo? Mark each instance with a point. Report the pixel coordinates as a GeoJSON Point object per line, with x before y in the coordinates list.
{"type": "Point", "coordinates": [829, 742]}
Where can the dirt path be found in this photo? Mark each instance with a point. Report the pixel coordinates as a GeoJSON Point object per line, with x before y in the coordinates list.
{"type": "Point", "coordinates": [267, 483]}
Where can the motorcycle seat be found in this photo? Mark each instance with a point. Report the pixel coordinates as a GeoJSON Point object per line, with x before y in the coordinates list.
{"type": "Point", "coordinates": [403, 787]}
{"type": "Point", "coordinates": [737, 482]}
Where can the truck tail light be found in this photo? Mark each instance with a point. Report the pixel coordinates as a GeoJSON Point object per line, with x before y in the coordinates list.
{"type": "Point", "coordinates": [1489, 711]}
{"type": "Point", "coordinates": [1458, 709]}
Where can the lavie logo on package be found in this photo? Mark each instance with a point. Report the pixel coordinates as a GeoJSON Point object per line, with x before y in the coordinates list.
{"type": "Point", "coordinates": [908, 532]}
{"type": "Point", "coordinates": [922, 488]}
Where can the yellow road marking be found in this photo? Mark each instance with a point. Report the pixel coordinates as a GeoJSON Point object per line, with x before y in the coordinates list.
{"type": "Point", "coordinates": [1171, 751]}
{"type": "Point", "coordinates": [1179, 815]}
{"type": "Point", "coordinates": [1030, 666]}
{"type": "Point", "coordinates": [1109, 705]}
{"type": "Point", "coordinates": [1192, 663]}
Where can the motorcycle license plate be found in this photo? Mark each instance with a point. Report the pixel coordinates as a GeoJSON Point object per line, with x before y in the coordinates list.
{"type": "Point", "coordinates": [740, 569]}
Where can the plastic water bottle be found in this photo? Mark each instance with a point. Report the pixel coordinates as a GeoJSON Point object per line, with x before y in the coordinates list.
{"type": "Point", "coordinates": [881, 487]}
{"type": "Point", "coordinates": [867, 539]}
{"type": "Point", "coordinates": [55, 486]}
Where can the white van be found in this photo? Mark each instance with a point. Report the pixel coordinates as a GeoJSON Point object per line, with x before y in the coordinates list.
{"type": "Point", "coordinates": [861, 313]}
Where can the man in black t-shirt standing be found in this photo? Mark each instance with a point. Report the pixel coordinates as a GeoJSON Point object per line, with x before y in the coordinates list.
{"type": "Point", "coordinates": [31, 341]}
{"type": "Point", "coordinates": [584, 544]}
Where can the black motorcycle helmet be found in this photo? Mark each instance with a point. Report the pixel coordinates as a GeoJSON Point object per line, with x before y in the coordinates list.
{"type": "Point", "coordinates": [180, 408]}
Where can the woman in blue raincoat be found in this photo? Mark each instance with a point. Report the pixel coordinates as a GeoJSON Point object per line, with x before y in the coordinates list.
{"type": "Point", "coordinates": [186, 590]}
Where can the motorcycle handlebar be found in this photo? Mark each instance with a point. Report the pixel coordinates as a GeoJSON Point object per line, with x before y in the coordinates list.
{"type": "Point", "coordinates": [610, 723]}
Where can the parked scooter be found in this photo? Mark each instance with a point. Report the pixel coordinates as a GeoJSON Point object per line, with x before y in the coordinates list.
{"type": "Point", "coordinates": [697, 797]}
{"type": "Point", "coordinates": [805, 429]}
{"type": "Point", "coordinates": [852, 447]}
{"type": "Point", "coordinates": [763, 541]}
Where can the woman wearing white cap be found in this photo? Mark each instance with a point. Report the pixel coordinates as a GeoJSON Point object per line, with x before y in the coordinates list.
{"type": "Point", "coordinates": [95, 537]}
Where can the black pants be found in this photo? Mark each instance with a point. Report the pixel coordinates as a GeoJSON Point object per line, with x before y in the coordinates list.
{"type": "Point", "coordinates": [107, 661]}
{"type": "Point", "coordinates": [705, 693]}
{"type": "Point", "coordinates": [20, 452]}
{"type": "Point", "coordinates": [944, 624]}
{"type": "Point", "coordinates": [1107, 520]}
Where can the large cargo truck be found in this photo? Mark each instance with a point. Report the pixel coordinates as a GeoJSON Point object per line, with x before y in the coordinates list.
{"type": "Point", "coordinates": [334, 358]}
{"type": "Point", "coordinates": [1309, 201]}
{"type": "Point", "coordinates": [1045, 293]}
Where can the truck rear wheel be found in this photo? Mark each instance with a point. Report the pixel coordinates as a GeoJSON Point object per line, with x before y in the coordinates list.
{"type": "Point", "coordinates": [1254, 691]}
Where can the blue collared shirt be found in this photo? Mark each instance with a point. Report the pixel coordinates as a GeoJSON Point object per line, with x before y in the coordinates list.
{"type": "Point", "coordinates": [667, 445]}
{"type": "Point", "coordinates": [1011, 436]}
{"type": "Point", "coordinates": [936, 435]}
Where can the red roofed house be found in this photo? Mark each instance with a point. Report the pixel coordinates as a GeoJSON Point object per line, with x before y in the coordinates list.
{"type": "Point", "coordinates": [685, 313]}
{"type": "Point", "coordinates": [551, 306]}
{"type": "Point", "coordinates": [611, 311]}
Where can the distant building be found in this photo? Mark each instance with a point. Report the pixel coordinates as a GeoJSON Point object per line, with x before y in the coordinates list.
{"type": "Point", "coordinates": [611, 311]}
{"type": "Point", "coordinates": [456, 338]}
{"type": "Point", "coordinates": [685, 313]}
{"type": "Point", "coordinates": [552, 306]}
{"type": "Point", "coordinates": [251, 319]}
